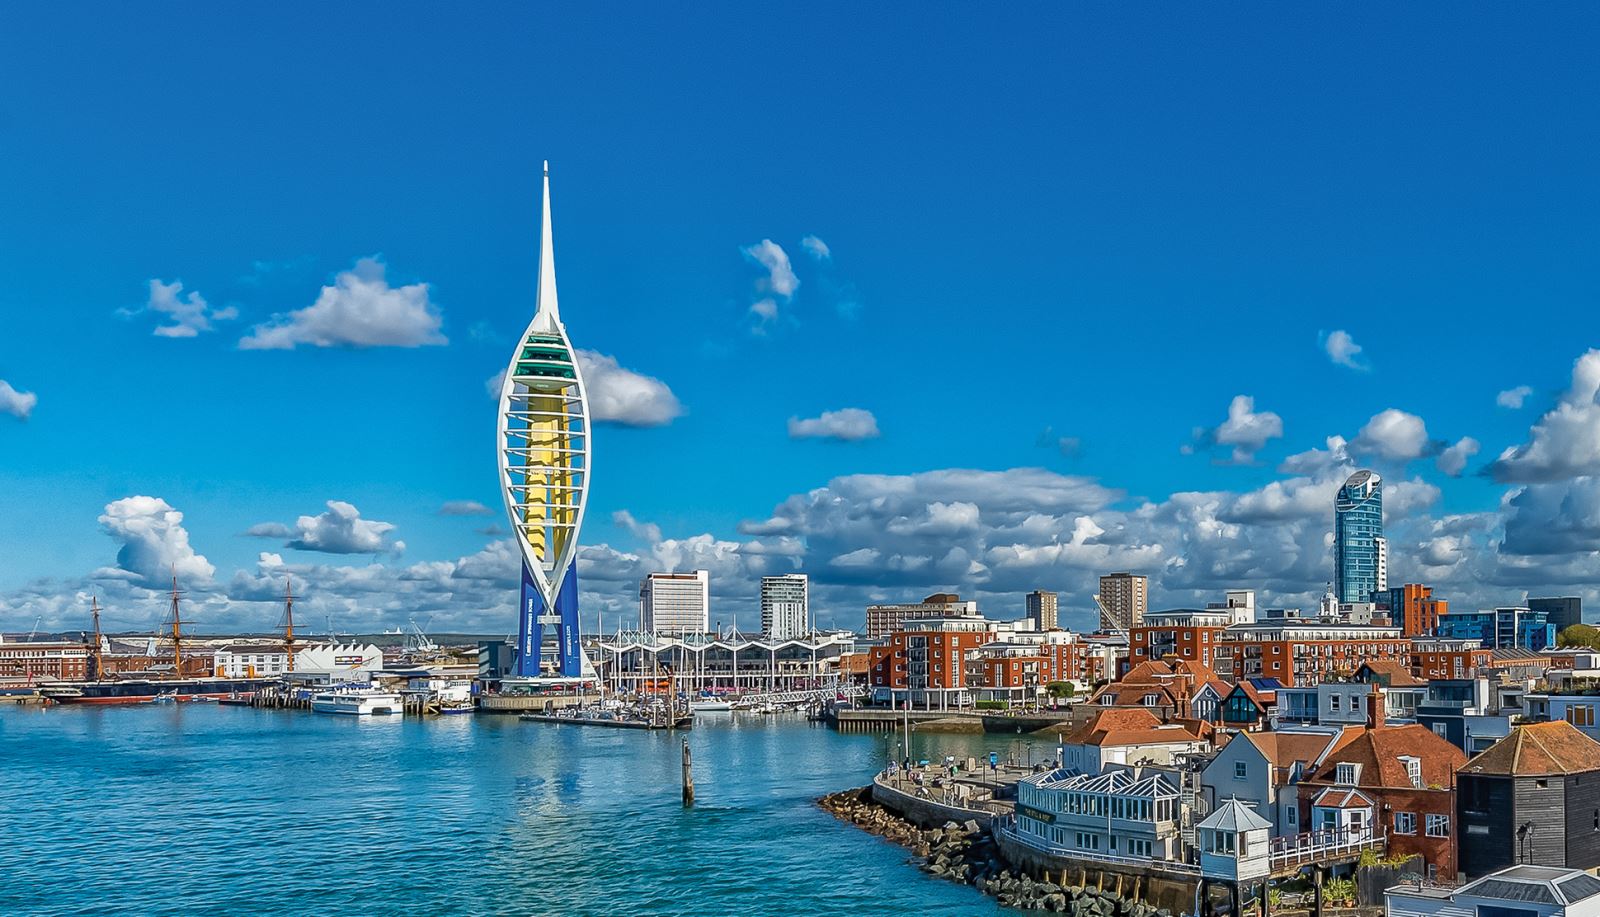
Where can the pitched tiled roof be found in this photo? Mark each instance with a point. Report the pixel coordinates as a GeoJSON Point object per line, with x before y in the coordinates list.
{"type": "Point", "coordinates": [1341, 798]}
{"type": "Point", "coordinates": [1117, 726]}
{"type": "Point", "coordinates": [1390, 673]}
{"type": "Point", "coordinates": [1283, 749]}
{"type": "Point", "coordinates": [1556, 747]}
{"type": "Point", "coordinates": [1378, 751]}
{"type": "Point", "coordinates": [1126, 694]}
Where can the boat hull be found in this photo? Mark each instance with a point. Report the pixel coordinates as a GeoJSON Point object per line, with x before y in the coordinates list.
{"type": "Point", "coordinates": [143, 692]}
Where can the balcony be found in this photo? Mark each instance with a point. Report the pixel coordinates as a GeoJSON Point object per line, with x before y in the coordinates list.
{"type": "Point", "coordinates": [1285, 853]}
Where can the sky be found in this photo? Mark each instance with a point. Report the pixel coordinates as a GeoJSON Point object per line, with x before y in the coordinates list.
{"type": "Point", "coordinates": [906, 298]}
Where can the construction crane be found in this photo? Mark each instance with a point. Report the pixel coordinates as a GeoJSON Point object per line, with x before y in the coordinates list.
{"type": "Point", "coordinates": [35, 632]}
{"type": "Point", "coordinates": [1106, 621]}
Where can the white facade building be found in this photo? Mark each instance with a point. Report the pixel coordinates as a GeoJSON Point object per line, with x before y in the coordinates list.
{"type": "Point", "coordinates": [675, 603]}
{"type": "Point", "coordinates": [785, 611]}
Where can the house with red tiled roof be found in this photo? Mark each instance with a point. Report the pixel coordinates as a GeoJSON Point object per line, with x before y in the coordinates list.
{"type": "Point", "coordinates": [1260, 769]}
{"type": "Point", "coordinates": [1131, 736]}
{"type": "Point", "coordinates": [1397, 780]}
{"type": "Point", "coordinates": [1166, 685]}
{"type": "Point", "coordinates": [1533, 797]}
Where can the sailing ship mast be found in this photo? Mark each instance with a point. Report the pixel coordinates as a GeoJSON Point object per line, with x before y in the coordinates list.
{"type": "Point", "coordinates": [99, 660]}
{"type": "Point", "coordinates": [177, 628]}
{"type": "Point", "coordinates": [288, 619]}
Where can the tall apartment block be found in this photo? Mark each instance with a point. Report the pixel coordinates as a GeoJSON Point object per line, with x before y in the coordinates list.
{"type": "Point", "coordinates": [1042, 609]}
{"type": "Point", "coordinates": [675, 603]}
{"type": "Point", "coordinates": [1124, 598]}
{"type": "Point", "coordinates": [883, 620]}
{"type": "Point", "coordinates": [785, 613]}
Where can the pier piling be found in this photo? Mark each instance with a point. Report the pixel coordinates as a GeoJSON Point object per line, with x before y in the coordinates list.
{"type": "Point", "coordinates": [688, 777]}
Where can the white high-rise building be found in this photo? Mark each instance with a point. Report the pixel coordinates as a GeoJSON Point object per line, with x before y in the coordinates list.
{"type": "Point", "coordinates": [675, 603]}
{"type": "Point", "coordinates": [785, 612]}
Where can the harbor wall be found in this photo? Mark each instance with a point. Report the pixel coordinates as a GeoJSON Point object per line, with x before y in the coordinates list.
{"type": "Point", "coordinates": [1173, 892]}
{"type": "Point", "coordinates": [925, 813]}
{"type": "Point", "coordinates": [532, 703]}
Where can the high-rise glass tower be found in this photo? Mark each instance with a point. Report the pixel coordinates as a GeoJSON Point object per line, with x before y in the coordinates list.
{"type": "Point", "coordinates": [1360, 553]}
{"type": "Point", "coordinates": [542, 438]}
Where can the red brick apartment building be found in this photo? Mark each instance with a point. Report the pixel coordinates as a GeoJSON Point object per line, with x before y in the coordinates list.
{"type": "Point", "coordinates": [29, 661]}
{"type": "Point", "coordinates": [1303, 654]}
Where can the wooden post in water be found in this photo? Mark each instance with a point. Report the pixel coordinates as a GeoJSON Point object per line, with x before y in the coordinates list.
{"type": "Point", "coordinates": [688, 777]}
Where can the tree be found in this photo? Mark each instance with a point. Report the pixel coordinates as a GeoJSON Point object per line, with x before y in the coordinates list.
{"type": "Point", "coordinates": [1061, 689]}
{"type": "Point", "coordinates": [1581, 635]}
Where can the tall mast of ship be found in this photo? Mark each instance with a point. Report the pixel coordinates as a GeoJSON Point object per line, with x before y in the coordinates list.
{"type": "Point", "coordinates": [288, 619]}
{"type": "Point", "coordinates": [177, 628]}
{"type": "Point", "coordinates": [99, 660]}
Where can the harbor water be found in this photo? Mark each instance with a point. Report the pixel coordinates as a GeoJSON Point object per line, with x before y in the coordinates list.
{"type": "Point", "coordinates": [200, 809]}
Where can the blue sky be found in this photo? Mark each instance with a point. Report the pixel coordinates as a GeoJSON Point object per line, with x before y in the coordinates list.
{"type": "Point", "coordinates": [1091, 223]}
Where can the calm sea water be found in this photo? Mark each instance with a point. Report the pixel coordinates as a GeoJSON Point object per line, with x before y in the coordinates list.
{"type": "Point", "coordinates": [199, 809]}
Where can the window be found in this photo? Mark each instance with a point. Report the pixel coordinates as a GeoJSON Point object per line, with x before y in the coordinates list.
{"type": "Point", "coordinates": [1405, 823]}
{"type": "Point", "coordinates": [1581, 714]}
{"type": "Point", "coordinates": [1346, 774]}
{"type": "Point", "coordinates": [1240, 771]}
{"type": "Point", "coordinates": [1222, 842]}
{"type": "Point", "coordinates": [1333, 703]}
{"type": "Point", "coordinates": [1293, 816]}
{"type": "Point", "coordinates": [1442, 731]}
{"type": "Point", "coordinates": [1438, 826]}
{"type": "Point", "coordinates": [1413, 770]}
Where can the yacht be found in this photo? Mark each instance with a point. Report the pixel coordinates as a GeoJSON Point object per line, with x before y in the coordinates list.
{"type": "Point", "coordinates": [356, 700]}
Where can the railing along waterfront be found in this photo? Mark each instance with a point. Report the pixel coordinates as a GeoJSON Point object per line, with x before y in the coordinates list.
{"type": "Point", "coordinates": [1308, 848]}
{"type": "Point", "coordinates": [1008, 827]}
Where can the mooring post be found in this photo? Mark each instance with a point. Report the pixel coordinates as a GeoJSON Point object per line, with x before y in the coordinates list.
{"type": "Point", "coordinates": [688, 777]}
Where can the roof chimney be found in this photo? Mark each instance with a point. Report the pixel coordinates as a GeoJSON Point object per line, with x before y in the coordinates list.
{"type": "Point", "coordinates": [1374, 714]}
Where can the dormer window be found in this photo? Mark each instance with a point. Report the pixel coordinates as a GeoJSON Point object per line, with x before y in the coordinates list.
{"type": "Point", "coordinates": [1346, 774]}
{"type": "Point", "coordinates": [1413, 769]}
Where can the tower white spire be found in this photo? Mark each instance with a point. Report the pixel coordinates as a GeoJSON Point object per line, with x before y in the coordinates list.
{"type": "Point", "coordinates": [548, 313]}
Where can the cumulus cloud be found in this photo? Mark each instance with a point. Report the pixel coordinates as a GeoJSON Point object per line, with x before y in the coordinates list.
{"type": "Point", "coordinates": [18, 404]}
{"type": "Point", "coordinates": [1343, 350]}
{"type": "Point", "coordinates": [845, 424]}
{"type": "Point", "coordinates": [464, 508]}
{"type": "Point", "coordinates": [269, 530]}
{"type": "Point", "coordinates": [189, 314]}
{"type": "Point", "coordinates": [341, 530]}
{"type": "Point", "coordinates": [622, 396]}
{"type": "Point", "coordinates": [1453, 461]}
{"type": "Point", "coordinates": [154, 543]}
{"type": "Point", "coordinates": [816, 248]}
{"type": "Point", "coordinates": [1319, 461]}
{"type": "Point", "coordinates": [1246, 430]}
{"type": "Point", "coordinates": [360, 309]}
{"type": "Point", "coordinates": [1395, 435]}
{"type": "Point", "coordinates": [1513, 397]}
{"type": "Point", "coordinates": [777, 287]}
{"type": "Point", "coordinates": [1565, 442]}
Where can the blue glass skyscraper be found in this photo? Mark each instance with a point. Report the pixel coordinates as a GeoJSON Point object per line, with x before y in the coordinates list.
{"type": "Point", "coordinates": [1360, 554]}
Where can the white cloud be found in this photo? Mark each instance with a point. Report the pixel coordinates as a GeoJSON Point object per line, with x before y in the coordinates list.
{"type": "Point", "coordinates": [359, 310]}
{"type": "Point", "coordinates": [190, 315]}
{"type": "Point", "coordinates": [1395, 435]}
{"type": "Point", "coordinates": [495, 383]}
{"type": "Point", "coordinates": [18, 404]}
{"type": "Point", "coordinates": [1565, 442]}
{"type": "Point", "coordinates": [341, 530]}
{"type": "Point", "coordinates": [1245, 429]}
{"type": "Point", "coordinates": [777, 287]}
{"type": "Point", "coordinates": [817, 248]}
{"type": "Point", "coordinates": [1513, 397]}
{"type": "Point", "coordinates": [269, 530]}
{"type": "Point", "coordinates": [622, 396]}
{"type": "Point", "coordinates": [1343, 350]}
{"type": "Point", "coordinates": [846, 424]}
{"type": "Point", "coordinates": [154, 542]}
{"type": "Point", "coordinates": [1319, 461]}
{"type": "Point", "coordinates": [1453, 460]}
{"type": "Point", "coordinates": [464, 508]}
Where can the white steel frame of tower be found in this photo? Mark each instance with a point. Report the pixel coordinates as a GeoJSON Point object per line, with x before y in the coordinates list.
{"type": "Point", "coordinates": [542, 442]}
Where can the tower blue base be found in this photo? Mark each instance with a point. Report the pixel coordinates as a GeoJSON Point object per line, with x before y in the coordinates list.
{"type": "Point", "coordinates": [530, 633]}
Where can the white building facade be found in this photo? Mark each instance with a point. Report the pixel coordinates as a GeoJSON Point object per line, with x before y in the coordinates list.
{"type": "Point", "coordinates": [675, 603]}
{"type": "Point", "coordinates": [785, 608]}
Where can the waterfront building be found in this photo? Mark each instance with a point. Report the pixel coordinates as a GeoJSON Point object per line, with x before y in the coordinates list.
{"type": "Point", "coordinates": [250, 660]}
{"type": "Point", "coordinates": [1233, 843]}
{"type": "Point", "coordinates": [542, 445]}
{"type": "Point", "coordinates": [1507, 626]}
{"type": "Point", "coordinates": [1131, 736]}
{"type": "Point", "coordinates": [925, 662]}
{"type": "Point", "coordinates": [1119, 812]}
{"type": "Point", "coordinates": [1562, 612]}
{"type": "Point", "coordinates": [642, 661]}
{"type": "Point", "coordinates": [1042, 609]}
{"type": "Point", "coordinates": [1394, 779]}
{"type": "Point", "coordinates": [785, 606]}
{"type": "Point", "coordinates": [1413, 607]}
{"type": "Point", "coordinates": [675, 603]}
{"type": "Point", "coordinates": [1261, 768]}
{"type": "Point", "coordinates": [1020, 668]}
{"type": "Point", "coordinates": [1123, 600]}
{"type": "Point", "coordinates": [1299, 653]}
{"type": "Point", "coordinates": [325, 663]}
{"type": "Point", "coordinates": [883, 620]}
{"type": "Point", "coordinates": [23, 662]}
{"type": "Point", "coordinates": [1187, 633]}
{"type": "Point", "coordinates": [1532, 797]}
{"type": "Point", "coordinates": [1360, 553]}
{"type": "Point", "coordinates": [1517, 891]}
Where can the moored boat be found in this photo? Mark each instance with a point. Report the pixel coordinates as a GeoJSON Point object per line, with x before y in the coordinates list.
{"type": "Point", "coordinates": [143, 690]}
{"type": "Point", "coordinates": [356, 701]}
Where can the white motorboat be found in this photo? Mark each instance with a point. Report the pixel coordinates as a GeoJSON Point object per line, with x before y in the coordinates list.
{"type": "Point", "coordinates": [357, 701]}
{"type": "Point", "coordinates": [707, 705]}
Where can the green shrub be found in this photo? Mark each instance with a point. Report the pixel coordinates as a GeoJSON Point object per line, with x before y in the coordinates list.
{"type": "Point", "coordinates": [990, 705]}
